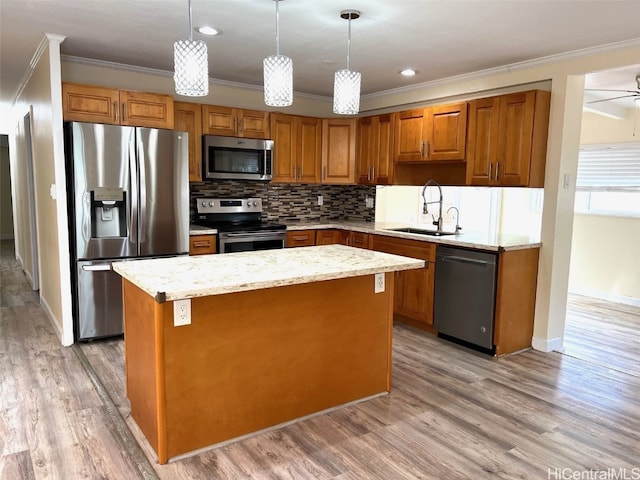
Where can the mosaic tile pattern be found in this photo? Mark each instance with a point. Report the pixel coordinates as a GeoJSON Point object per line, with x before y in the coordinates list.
{"type": "Point", "coordinates": [293, 202]}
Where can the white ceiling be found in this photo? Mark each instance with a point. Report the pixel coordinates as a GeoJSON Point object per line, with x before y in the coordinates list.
{"type": "Point", "coordinates": [439, 38]}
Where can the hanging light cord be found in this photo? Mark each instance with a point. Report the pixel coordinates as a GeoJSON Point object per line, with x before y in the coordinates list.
{"type": "Point", "coordinates": [349, 44]}
{"type": "Point", "coordinates": [277, 28]}
{"type": "Point", "coordinates": [190, 24]}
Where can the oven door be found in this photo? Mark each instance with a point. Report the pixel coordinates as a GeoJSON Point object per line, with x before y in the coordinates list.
{"type": "Point", "coordinates": [249, 241]}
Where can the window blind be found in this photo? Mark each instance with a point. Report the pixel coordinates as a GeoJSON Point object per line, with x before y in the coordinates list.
{"type": "Point", "coordinates": [609, 167]}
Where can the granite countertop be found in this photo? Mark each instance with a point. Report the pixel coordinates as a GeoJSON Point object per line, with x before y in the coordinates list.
{"type": "Point", "coordinates": [468, 239]}
{"type": "Point", "coordinates": [200, 230]}
{"type": "Point", "coordinates": [176, 278]}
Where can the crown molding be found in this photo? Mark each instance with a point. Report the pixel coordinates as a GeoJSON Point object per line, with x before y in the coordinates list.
{"type": "Point", "coordinates": [524, 65]}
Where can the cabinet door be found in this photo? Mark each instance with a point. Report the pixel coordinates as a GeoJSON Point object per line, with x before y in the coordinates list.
{"type": "Point", "coordinates": [188, 118]}
{"type": "Point", "coordinates": [219, 121]}
{"type": "Point", "coordinates": [284, 130]}
{"type": "Point", "coordinates": [85, 103]}
{"type": "Point", "coordinates": [482, 140]}
{"type": "Point", "coordinates": [309, 149]}
{"type": "Point", "coordinates": [359, 240]}
{"type": "Point", "coordinates": [414, 288]}
{"type": "Point", "coordinates": [253, 124]}
{"type": "Point", "coordinates": [366, 143]}
{"type": "Point", "coordinates": [383, 162]}
{"type": "Point", "coordinates": [410, 136]}
{"type": "Point", "coordinates": [141, 109]}
{"type": "Point", "coordinates": [327, 237]}
{"type": "Point", "coordinates": [338, 151]}
{"type": "Point", "coordinates": [301, 238]}
{"type": "Point", "coordinates": [514, 141]}
{"type": "Point", "coordinates": [446, 132]}
{"type": "Point", "coordinates": [202, 244]}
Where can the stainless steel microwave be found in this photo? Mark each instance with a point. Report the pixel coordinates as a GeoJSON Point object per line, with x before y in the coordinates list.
{"type": "Point", "coordinates": [237, 158]}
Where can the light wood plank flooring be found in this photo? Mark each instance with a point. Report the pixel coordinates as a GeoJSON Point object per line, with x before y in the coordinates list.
{"type": "Point", "coordinates": [603, 333]}
{"type": "Point", "coordinates": [452, 413]}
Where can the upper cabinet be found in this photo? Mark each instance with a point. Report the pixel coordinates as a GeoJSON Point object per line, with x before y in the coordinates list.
{"type": "Point", "coordinates": [297, 148]}
{"type": "Point", "coordinates": [339, 150]}
{"type": "Point", "coordinates": [431, 134]}
{"type": "Point", "coordinates": [235, 122]}
{"type": "Point", "coordinates": [507, 143]}
{"type": "Point", "coordinates": [375, 149]}
{"type": "Point", "coordinates": [87, 103]}
{"type": "Point", "coordinates": [188, 118]}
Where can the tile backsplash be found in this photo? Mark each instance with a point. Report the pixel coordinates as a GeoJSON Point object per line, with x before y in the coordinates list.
{"type": "Point", "coordinates": [283, 201]}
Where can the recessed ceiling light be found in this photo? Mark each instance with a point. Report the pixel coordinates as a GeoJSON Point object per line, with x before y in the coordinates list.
{"type": "Point", "coordinates": [206, 30]}
{"type": "Point", "coordinates": [408, 72]}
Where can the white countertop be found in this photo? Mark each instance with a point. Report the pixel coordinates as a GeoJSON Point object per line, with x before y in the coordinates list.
{"type": "Point", "coordinates": [477, 240]}
{"type": "Point", "coordinates": [200, 230]}
{"type": "Point", "coordinates": [198, 276]}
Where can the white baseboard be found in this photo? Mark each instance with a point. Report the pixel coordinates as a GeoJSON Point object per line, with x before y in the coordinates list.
{"type": "Point", "coordinates": [52, 318]}
{"type": "Point", "coordinates": [610, 297]}
{"type": "Point", "coordinates": [547, 345]}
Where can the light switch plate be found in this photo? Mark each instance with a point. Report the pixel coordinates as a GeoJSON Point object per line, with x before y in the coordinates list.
{"type": "Point", "coordinates": [379, 283]}
{"type": "Point", "coordinates": [182, 312]}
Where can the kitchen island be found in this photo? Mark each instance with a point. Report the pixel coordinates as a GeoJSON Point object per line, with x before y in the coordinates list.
{"type": "Point", "coordinates": [273, 336]}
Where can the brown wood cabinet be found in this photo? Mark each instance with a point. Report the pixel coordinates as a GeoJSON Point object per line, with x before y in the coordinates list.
{"type": "Point", "coordinates": [413, 300]}
{"type": "Point", "coordinates": [202, 244]}
{"type": "Point", "coordinates": [338, 150]}
{"type": "Point", "coordinates": [88, 103]}
{"type": "Point", "coordinates": [327, 237]}
{"type": "Point", "coordinates": [298, 148]}
{"type": "Point", "coordinates": [354, 239]}
{"type": "Point", "coordinates": [301, 238]}
{"type": "Point", "coordinates": [188, 118]}
{"type": "Point", "coordinates": [507, 139]}
{"type": "Point", "coordinates": [375, 149]}
{"type": "Point", "coordinates": [431, 134]}
{"type": "Point", "coordinates": [235, 122]}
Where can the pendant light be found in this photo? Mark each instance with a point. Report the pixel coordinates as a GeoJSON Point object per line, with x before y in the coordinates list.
{"type": "Point", "coordinates": [346, 85]}
{"type": "Point", "coordinates": [191, 65]}
{"type": "Point", "coordinates": [278, 74]}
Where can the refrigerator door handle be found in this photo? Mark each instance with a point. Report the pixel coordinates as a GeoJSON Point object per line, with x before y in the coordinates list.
{"type": "Point", "coordinates": [142, 207]}
{"type": "Point", "coordinates": [133, 201]}
{"type": "Point", "coordinates": [97, 268]}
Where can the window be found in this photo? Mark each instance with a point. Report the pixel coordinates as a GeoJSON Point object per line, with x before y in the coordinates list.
{"type": "Point", "coordinates": [608, 181]}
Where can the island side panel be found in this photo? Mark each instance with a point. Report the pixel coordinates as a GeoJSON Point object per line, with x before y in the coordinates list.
{"type": "Point", "coordinates": [515, 300]}
{"type": "Point", "coordinates": [142, 350]}
{"type": "Point", "coordinates": [251, 360]}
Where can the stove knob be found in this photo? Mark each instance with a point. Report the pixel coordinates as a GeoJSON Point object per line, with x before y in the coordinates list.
{"type": "Point", "coordinates": [248, 204]}
{"type": "Point", "coordinates": [255, 204]}
{"type": "Point", "coordinates": [204, 204]}
{"type": "Point", "coordinates": [211, 204]}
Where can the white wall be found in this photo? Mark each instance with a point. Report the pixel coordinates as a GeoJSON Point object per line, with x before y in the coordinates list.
{"type": "Point", "coordinates": [605, 251]}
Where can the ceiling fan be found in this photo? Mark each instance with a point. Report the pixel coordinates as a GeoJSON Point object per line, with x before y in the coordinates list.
{"type": "Point", "coordinates": [634, 94]}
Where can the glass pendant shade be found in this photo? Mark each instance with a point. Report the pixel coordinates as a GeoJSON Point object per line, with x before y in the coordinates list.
{"type": "Point", "coordinates": [346, 92]}
{"type": "Point", "coordinates": [278, 81]}
{"type": "Point", "coordinates": [191, 68]}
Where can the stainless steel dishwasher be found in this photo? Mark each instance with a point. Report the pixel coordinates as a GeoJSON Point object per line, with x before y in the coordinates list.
{"type": "Point", "coordinates": [464, 299]}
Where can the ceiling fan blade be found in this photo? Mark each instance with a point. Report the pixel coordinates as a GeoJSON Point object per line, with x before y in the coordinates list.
{"type": "Point", "coordinates": [615, 98]}
{"type": "Point", "coordinates": [610, 90]}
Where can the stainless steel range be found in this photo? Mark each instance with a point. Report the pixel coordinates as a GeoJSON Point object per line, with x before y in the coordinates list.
{"type": "Point", "coordinates": [239, 224]}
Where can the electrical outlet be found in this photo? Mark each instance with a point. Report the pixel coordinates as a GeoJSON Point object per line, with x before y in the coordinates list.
{"type": "Point", "coordinates": [378, 286]}
{"type": "Point", "coordinates": [320, 200]}
{"type": "Point", "coordinates": [182, 312]}
{"type": "Point", "coordinates": [369, 202]}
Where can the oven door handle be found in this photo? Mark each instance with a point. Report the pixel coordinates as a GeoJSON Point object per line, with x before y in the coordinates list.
{"type": "Point", "coordinates": [269, 233]}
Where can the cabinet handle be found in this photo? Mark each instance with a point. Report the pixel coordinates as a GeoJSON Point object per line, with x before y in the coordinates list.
{"type": "Point", "coordinates": [202, 244]}
{"type": "Point", "coordinates": [497, 167]}
{"type": "Point", "coordinates": [235, 124]}
{"type": "Point", "coordinates": [116, 110]}
{"type": "Point", "coordinates": [300, 172]}
{"type": "Point", "coordinates": [490, 165]}
{"type": "Point", "coordinates": [426, 149]}
{"type": "Point", "coordinates": [373, 173]}
{"type": "Point", "coordinates": [368, 174]}
{"type": "Point", "coordinates": [421, 149]}
{"type": "Point", "coordinates": [124, 111]}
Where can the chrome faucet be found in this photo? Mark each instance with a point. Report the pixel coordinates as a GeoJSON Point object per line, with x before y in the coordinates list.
{"type": "Point", "coordinates": [425, 204]}
{"type": "Point", "coordinates": [458, 227]}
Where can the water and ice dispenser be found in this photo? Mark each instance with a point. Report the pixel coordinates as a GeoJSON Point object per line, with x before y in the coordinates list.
{"type": "Point", "coordinates": [108, 212]}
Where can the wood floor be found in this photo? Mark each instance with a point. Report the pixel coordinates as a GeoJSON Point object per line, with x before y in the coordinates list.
{"type": "Point", "coordinates": [452, 413]}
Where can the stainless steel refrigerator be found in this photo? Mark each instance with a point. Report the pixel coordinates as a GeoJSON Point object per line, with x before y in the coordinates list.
{"type": "Point", "coordinates": [128, 198]}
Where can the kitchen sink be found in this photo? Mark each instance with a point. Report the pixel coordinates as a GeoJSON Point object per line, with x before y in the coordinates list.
{"type": "Point", "coordinates": [419, 231]}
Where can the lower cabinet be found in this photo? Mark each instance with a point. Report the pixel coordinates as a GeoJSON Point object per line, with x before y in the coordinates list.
{"type": "Point", "coordinates": [301, 238]}
{"type": "Point", "coordinates": [202, 244]}
{"type": "Point", "coordinates": [413, 298]}
{"type": "Point", "coordinates": [327, 237]}
{"type": "Point", "coordinates": [354, 239]}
